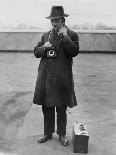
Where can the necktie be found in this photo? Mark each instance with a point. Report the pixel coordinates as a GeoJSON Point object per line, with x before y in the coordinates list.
{"type": "Point", "coordinates": [55, 34]}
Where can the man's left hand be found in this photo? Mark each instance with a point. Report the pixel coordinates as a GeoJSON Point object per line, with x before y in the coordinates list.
{"type": "Point", "coordinates": [63, 31]}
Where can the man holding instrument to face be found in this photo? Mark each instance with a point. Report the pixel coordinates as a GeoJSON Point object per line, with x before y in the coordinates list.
{"type": "Point", "coordinates": [54, 86]}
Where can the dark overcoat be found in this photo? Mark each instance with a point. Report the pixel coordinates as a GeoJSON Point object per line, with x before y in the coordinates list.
{"type": "Point", "coordinates": [54, 84]}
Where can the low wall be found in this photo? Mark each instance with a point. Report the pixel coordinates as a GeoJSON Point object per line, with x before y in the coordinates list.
{"type": "Point", "coordinates": [89, 41]}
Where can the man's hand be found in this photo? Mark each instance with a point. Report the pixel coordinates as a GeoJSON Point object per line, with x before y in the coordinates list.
{"type": "Point", "coordinates": [63, 31]}
{"type": "Point", "coordinates": [47, 45]}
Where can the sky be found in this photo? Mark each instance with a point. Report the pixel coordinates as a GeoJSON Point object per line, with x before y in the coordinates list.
{"type": "Point", "coordinates": [33, 12]}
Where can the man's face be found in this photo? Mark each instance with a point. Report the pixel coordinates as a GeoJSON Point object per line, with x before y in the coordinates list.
{"type": "Point", "coordinates": [57, 23]}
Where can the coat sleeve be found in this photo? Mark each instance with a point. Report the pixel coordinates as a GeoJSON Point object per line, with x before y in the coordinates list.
{"type": "Point", "coordinates": [71, 44]}
{"type": "Point", "coordinates": [39, 49]}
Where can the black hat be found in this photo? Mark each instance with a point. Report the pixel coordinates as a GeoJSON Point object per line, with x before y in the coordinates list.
{"type": "Point", "coordinates": [56, 12]}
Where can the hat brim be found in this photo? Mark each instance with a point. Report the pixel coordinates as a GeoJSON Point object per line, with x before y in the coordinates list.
{"type": "Point", "coordinates": [49, 17]}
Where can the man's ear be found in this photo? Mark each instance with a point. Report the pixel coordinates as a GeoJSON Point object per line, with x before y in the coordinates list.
{"type": "Point", "coordinates": [63, 21]}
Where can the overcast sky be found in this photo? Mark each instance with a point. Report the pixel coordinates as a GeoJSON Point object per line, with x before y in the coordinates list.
{"type": "Point", "coordinates": [33, 12]}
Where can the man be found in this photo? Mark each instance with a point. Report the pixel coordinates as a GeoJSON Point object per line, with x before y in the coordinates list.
{"type": "Point", "coordinates": [54, 85]}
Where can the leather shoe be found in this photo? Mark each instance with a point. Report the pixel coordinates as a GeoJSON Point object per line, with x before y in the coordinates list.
{"type": "Point", "coordinates": [44, 138]}
{"type": "Point", "coordinates": [63, 140]}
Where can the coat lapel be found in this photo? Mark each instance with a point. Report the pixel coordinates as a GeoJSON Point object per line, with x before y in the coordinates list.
{"type": "Point", "coordinates": [51, 36]}
{"type": "Point", "coordinates": [54, 38]}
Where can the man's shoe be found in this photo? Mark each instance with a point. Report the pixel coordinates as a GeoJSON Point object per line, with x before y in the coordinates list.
{"type": "Point", "coordinates": [63, 140]}
{"type": "Point", "coordinates": [44, 138]}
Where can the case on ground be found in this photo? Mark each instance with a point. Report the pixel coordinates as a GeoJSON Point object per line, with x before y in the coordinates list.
{"type": "Point", "coordinates": [80, 138]}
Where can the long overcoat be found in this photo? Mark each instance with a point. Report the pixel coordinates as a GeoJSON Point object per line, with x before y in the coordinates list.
{"type": "Point", "coordinates": [54, 84]}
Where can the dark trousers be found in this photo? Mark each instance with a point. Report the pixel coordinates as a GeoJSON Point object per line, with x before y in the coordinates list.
{"type": "Point", "coordinates": [49, 120]}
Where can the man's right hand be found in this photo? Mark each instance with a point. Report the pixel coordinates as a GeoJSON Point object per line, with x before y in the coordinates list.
{"type": "Point", "coordinates": [47, 45]}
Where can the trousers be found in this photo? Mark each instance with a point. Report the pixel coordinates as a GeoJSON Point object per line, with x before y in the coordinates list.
{"type": "Point", "coordinates": [49, 120]}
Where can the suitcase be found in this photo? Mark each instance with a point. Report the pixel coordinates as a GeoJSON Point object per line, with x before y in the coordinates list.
{"type": "Point", "coordinates": [80, 138]}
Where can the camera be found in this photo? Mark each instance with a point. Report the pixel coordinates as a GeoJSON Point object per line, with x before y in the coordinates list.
{"type": "Point", "coordinates": [51, 52]}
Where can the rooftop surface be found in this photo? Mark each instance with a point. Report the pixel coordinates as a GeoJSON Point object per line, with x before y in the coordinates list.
{"type": "Point", "coordinates": [21, 122]}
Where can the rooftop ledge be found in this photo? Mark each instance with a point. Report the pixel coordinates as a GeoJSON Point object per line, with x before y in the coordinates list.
{"type": "Point", "coordinates": [37, 30]}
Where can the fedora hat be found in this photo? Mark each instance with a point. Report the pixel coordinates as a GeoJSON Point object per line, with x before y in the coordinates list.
{"type": "Point", "coordinates": [56, 12]}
